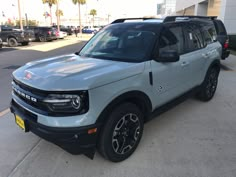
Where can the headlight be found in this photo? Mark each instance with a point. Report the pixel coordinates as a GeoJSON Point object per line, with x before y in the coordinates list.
{"type": "Point", "coordinates": [68, 103]}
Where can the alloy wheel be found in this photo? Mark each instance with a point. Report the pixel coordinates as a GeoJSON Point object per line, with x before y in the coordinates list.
{"type": "Point", "coordinates": [126, 133]}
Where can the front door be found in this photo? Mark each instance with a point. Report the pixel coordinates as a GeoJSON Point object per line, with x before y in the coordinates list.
{"type": "Point", "coordinates": [170, 78]}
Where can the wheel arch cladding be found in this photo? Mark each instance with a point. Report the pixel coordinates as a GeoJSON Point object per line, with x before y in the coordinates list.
{"type": "Point", "coordinates": [140, 99]}
{"type": "Point", "coordinates": [215, 64]}
{"type": "Point", "coordinates": [9, 37]}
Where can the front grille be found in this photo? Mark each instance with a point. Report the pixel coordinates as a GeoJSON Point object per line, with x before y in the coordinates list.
{"type": "Point", "coordinates": [29, 89]}
{"type": "Point", "coordinates": [30, 115]}
{"type": "Point", "coordinates": [31, 96]}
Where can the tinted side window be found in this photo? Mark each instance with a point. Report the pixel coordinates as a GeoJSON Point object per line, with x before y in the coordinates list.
{"type": "Point", "coordinates": [209, 34]}
{"type": "Point", "coordinates": [171, 38]}
{"type": "Point", "coordinates": [193, 36]}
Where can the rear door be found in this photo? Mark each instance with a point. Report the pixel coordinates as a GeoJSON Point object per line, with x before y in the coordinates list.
{"type": "Point", "coordinates": [195, 52]}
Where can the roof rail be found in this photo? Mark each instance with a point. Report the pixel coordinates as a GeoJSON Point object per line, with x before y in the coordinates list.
{"type": "Point", "coordinates": [173, 18]}
{"type": "Point", "coordinates": [122, 20]}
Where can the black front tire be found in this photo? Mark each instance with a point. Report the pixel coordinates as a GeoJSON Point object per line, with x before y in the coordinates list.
{"type": "Point", "coordinates": [12, 42]}
{"type": "Point", "coordinates": [42, 39]}
{"type": "Point", "coordinates": [25, 43]}
{"type": "Point", "coordinates": [122, 132]}
{"type": "Point", "coordinates": [209, 85]}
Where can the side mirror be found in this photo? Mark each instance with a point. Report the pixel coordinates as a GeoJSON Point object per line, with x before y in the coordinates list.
{"type": "Point", "coordinates": [168, 56]}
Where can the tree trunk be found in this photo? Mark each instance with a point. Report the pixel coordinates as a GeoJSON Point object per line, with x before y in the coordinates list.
{"type": "Point", "coordinates": [93, 20]}
{"type": "Point", "coordinates": [58, 18]}
{"type": "Point", "coordinates": [80, 24]}
{"type": "Point", "coordinates": [20, 19]}
{"type": "Point", "coordinates": [50, 14]}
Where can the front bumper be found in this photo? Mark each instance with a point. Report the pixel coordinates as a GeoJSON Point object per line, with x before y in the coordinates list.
{"type": "Point", "coordinates": [74, 140]}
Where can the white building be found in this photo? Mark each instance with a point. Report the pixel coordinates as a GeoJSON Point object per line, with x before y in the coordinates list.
{"type": "Point", "coordinates": [166, 7]}
{"type": "Point", "coordinates": [224, 9]}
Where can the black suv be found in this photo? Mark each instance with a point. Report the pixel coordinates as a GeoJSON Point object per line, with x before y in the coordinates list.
{"type": "Point", "coordinates": [44, 34]}
{"type": "Point", "coordinates": [222, 37]}
{"type": "Point", "coordinates": [15, 36]}
{"type": "Point", "coordinates": [65, 29]}
{"type": "Point", "coordinates": [1, 43]}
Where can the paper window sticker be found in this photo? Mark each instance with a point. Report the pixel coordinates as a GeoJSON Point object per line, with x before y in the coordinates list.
{"type": "Point", "coordinates": [191, 36]}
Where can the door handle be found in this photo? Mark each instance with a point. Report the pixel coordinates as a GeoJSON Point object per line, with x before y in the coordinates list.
{"type": "Point", "coordinates": [184, 63]}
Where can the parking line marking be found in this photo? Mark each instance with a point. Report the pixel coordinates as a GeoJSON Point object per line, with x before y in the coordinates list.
{"type": "Point", "coordinates": [4, 112]}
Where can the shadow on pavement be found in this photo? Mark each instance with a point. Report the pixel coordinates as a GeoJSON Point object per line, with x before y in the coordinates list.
{"type": "Point", "coordinates": [7, 49]}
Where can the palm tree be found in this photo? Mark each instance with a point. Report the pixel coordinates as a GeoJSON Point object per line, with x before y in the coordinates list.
{"type": "Point", "coordinates": [50, 3]}
{"type": "Point", "coordinates": [79, 2]}
{"type": "Point", "coordinates": [59, 13]}
{"type": "Point", "coordinates": [93, 12]}
{"type": "Point", "coordinates": [19, 11]}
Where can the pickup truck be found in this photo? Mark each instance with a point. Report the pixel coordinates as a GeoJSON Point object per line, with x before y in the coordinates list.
{"type": "Point", "coordinates": [13, 37]}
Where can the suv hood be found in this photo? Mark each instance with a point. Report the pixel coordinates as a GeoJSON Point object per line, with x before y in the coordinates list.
{"type": "Point", "coordinates": [72, 72]}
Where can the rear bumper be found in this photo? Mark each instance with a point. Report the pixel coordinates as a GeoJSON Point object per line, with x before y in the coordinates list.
{"type": "Point", "coordinates": [24, 39]}
{"type": "Point", "coordinates": [74, 140]}
{"type": "Point", "coordinates": [225, 54]}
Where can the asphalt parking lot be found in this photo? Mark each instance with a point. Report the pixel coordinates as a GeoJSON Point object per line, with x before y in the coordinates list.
{"type": "Point", "coordinates": [194, 139]}
{"type": "Point", "coordinates": [66, 40]}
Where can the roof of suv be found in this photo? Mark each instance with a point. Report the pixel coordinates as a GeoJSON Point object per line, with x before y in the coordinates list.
{"type": "Point", "coordinates": [166, 19]}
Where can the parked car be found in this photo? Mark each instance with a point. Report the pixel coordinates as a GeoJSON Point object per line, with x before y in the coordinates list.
{"type": "Point", "coordinates": [44, 33]}
{"type": "Point", "coordinates": [13, 37]}
{"type": "Point", "coordinates": [1, 43]}
{"type": "Point", "coordinates": [222, 37]}
{"type": "Point", "coordinates": [68, 30]}
{"type": "Point", "coordinates": [101, 96]}
{"type": "Point", "coordinates": [89, 30]}
{"type": "Point", "coordinates": [61, 34]}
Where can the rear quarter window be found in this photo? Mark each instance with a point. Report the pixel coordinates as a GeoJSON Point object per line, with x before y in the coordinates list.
{"type": "Point", "coordinates": [208, 33]}
{"type": "Point", "coordinates": [193, 36]}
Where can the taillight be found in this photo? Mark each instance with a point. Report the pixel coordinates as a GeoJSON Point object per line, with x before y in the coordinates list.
{"type": "Point", "coordinates": [49, 32]}
{"type": "Point", "coordinates": [226, 45]}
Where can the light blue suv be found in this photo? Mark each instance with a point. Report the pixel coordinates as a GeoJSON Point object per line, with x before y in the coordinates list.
{"type": "Point", "coordinates": [100, 97]}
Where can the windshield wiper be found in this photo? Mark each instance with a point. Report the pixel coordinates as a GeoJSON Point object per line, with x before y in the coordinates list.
{"type": "Point", "coordinates": [77, 53]}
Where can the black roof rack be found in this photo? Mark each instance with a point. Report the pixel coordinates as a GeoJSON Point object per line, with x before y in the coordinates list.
{"type": "Point", "coordinates": [166, 19]}
{"type": "Point", "coordinates": [173, 18]}
{"type": "Point", "coordinates": [121, 20]}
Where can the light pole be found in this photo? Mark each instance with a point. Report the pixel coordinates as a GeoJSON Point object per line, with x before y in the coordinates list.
{"type": "Point", "coordinates": [108, 18]}
{"type": "Point", "coordinates": [19, 11]}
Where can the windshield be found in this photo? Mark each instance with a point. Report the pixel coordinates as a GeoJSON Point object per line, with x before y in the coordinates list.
{"type": "Point", "coordinates": [130, 44]}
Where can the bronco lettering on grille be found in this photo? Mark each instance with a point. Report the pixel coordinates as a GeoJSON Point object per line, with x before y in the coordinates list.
{"type": "Point", "coordinates": [28, 97]}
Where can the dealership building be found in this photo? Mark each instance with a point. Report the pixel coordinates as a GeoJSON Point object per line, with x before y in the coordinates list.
{"type": "Point", "coordinates": [224, 9]}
